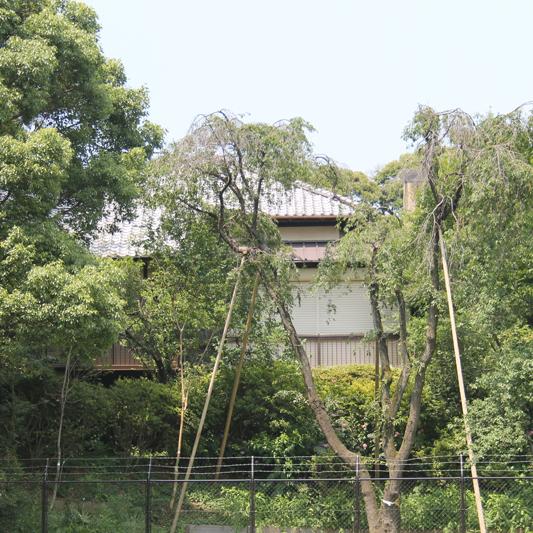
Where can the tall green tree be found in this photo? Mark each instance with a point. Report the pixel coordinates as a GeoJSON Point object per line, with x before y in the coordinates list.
{"type": "Point", "coordinates": [463, 163]}
{"type": "Point", "coordinates": [73, 136]}
{"type": "Point", "coordinates": [74, 143]}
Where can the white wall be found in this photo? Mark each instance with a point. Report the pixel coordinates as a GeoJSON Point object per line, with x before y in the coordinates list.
{"type": "Point", "coordinates": [309, 233]}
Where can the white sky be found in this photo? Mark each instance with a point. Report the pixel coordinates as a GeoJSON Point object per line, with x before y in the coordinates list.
{"type": "Point", "coordinates": [355, 69]}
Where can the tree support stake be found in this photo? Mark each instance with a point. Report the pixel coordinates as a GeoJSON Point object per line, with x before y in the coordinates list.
{"type": "Point", "coordinates": [238, 371]}
{"type": "Point", "coordinates": [459, 368]}
{"type": "Point", "coordinates": [207, 399]}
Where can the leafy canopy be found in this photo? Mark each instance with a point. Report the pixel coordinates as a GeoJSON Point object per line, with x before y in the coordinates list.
{"type": "Point", "coordinates": [73, 136]}
{"type": "Point", "coordinates": [74, 143]}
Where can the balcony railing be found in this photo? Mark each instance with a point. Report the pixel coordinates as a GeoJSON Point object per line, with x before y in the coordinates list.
{"type": "Point", "coordinates": [322, 351]}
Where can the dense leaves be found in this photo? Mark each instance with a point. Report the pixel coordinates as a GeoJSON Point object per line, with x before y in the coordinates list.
{"type": "Point", "coordinates": [73, 136]}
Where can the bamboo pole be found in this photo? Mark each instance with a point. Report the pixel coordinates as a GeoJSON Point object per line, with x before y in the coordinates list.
{"type": "Point", "coordinates": [183, 410]}
{"type": "Point", "coordinates": [207, 399]}
{"type": "Point", "coordinates": [237, 379]}
{"type": "Point", "coordinates": [377, 429]}
{"type": "Point", "coordinates": [458, 366]}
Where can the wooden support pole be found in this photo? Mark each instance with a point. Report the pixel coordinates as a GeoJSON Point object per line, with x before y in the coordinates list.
{"type": "Point", "coordinates": [462, 393]}
{"type": "Point", "coordinates": [377, 429]}
{"type": "Point", "coordinates": [238, 370]}
{"type": "Point", "coordinates": [207, 399]}
{"type": "Point", "coordinates": [183, 410]}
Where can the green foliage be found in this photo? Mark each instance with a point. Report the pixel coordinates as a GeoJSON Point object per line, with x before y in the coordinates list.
{"type": "Point", "coordinates": [144, 416]}
{"type": "Point", "coordinates": [140, 416]}
{"type": "Point", "coordinates": [500, 414]}
{"type": "Point", "coordinates": [19, 507]}
{"type": "Point", "coordinates": [314, 505]}
{"type": "Point", "coordinates": [228, 170]}
{"type": "Point", "coordinates": [73, 137]}
{"type": "Point", "coordinates": [510, 512]}
{"type": "Point", "coordinates": [478, 177]}
{"type": "Point", "coordinates": [56, 306]}
{"type": "Point", "coordinates": [182, 304]}
{"type": "Point", "coordinates": [432, 507]}
{"type": "Point", "coordinates": [74, 144]}
{"type": "Point", "coordinates": [271, 413]}
{"type": "Point", "coordinates": [349, 397]}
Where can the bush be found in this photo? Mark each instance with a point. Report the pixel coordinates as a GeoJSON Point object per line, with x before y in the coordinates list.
{"type": "Point", "coordinates": [140, 416]}
{"type": "Point", "coordinates": [88, 421]}
{"type": "Point", "coordinates": [144, 416]}
{"type": "Point", "coordinates": [511, 512]}
{"type": "Point", "coordinates": [426, 508]}
{"type": "Point", "coordinates": [348, 393]}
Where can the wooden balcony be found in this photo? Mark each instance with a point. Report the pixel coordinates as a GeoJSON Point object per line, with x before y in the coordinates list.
{"type": "Point", "coordinates": [322, 350]}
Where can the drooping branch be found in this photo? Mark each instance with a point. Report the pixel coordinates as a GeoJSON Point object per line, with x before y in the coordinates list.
{"type": "Point", "coordinates": [386, 372]}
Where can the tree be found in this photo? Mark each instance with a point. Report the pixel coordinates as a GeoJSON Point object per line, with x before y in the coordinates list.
{"type": "Point", "coordinates": [225, 169]}
{"type": "Point", "coordinates": [73, 139]}
{"type": "Point", "coordinates": [490, 259]}
{"type": "Point", "coordinates": [180, 306]}
{"type": "Point", "coordinates": [74, 143]}
{"type": "Point", "coordinates": [462, 159]}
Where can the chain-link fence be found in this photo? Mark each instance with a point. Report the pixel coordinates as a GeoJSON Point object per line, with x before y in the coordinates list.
{"type": "Point", "coordinates": [256, 494]}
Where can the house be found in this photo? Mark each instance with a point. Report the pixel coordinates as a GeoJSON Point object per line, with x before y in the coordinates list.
{"type": "Point", "coordinates": [333, 323]}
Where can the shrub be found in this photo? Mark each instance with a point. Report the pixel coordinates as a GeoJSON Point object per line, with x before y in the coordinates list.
{"type": "Point", "coordinates": [144, 416]}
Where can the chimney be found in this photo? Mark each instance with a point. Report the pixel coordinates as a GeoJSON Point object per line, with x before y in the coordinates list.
{"type": "Point", "coordinates": [412, 181]}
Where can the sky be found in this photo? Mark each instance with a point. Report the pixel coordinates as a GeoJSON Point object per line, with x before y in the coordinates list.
{"type": "Point", "coordinates": [356, 70]}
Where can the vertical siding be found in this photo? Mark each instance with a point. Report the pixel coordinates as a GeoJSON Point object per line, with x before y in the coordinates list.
{"type": "Point", "coordinates": [347, 350]}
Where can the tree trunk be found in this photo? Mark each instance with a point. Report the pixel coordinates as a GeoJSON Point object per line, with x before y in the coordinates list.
{"type": "Point", "coordinates": [389, 519]}
{"type": "Point", "coordinates": [321, 415]}
{"type": "Point", "coordinates": [389, 514]}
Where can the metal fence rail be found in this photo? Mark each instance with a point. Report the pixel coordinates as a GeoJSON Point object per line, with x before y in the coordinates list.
{"type": "Point", "coordinates": [256, 494]}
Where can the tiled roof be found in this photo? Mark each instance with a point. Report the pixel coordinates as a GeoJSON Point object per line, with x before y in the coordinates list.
{"type": "Point", "coordinates": [127, 239]}
{"type": "Point", "coordinates": [301, 201]}
{"type": "Point", "coordinates": [304, 200]}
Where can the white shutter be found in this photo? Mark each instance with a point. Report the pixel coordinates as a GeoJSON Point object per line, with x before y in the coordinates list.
{"type": "Point", "coordinates": [344, 310]}
{"type": "Point", "coordinates": [305, 310]}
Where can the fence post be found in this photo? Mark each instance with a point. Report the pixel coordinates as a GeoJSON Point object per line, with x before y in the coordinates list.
{"type": "Point", "coordinates": [44, 500]}
{"type": "Point", "coordinates": [357, 503]}
{"type": "Point", "coordinates": [148, 500]}
{"type": "Point", "coordinates": [463, 504]}
{"type": "Point", "coordinates": [252, 495]}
